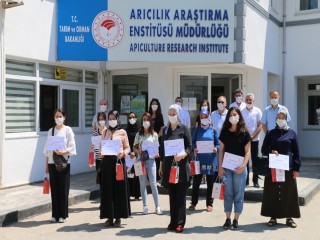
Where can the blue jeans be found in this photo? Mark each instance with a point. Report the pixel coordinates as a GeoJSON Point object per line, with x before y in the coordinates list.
{"type": "Point", "coordinates": [151, 169]}
{"type": "Point", "coordinates": [234, 191]}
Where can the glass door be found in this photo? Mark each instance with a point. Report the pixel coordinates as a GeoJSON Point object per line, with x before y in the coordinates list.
{"type": "Point", "coordinates": [70, 102]}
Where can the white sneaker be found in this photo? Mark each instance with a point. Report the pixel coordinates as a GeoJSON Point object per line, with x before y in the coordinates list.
{"type": "Point", "coordinates": [158, 211]}
{"type": "Point", "coordinates": [62, 220]}
{"type": "Point", "coordinates": [145, 210]}
{"type": "Point", "coordinates": [53, 220]}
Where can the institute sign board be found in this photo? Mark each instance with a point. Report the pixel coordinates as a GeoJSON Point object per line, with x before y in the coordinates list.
{"type": "Point", "coordinates": [146, 30]}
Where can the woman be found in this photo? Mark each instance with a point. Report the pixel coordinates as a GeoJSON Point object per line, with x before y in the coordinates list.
{"type": "Point", "coordinates": [60, 181]}
{"type": "Point", "coordinates": [157, 121]}
{"type": "Point", "coordinates": [132, 129]}
{"type": "Point", "coordinates": [114, 193]}
{"type": "Point", "coordinates": [204, 105]}
{"type": "Point", "coordinates": [208, 161]}
{"type": "Point", "coordinates": [101, 119]}
{"type": "Point", "coordinates": [177, 192]}
{"type": "Point", "coordinates": [147, 133]}
{"type": "Point", "coordinates": [280, 199]}
{"type": "Point", "coordinates": [235, 139]}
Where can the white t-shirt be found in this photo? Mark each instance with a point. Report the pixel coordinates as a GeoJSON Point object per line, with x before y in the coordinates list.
{"type": "Point", "coordinates": [252, 118]}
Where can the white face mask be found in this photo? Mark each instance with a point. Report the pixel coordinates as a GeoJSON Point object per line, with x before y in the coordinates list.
{"type": "Point", "coordinates": [113, 123]}
{"type": "Point", "coordinates": [234, 119]}
{"type": "Point", "coordinates": [59, 121]}
{"type": "Point", "coordinates": [132, 121]}
{"type": "Point", "coordinates": [220, 106]}
{"type": "Point", "coordinates": [238, 99]}
{"type": "Point", "coordinates": [103, 108]}
{"type": "Point", "coordinates": [173, 119]}
{"type": "Point", "coordinates": [146, 124]}
{"type": "Point", "coordinates": [274, 101]}
{"type": "Point", "coordinates": [281, 122]}
{"type": "Point", "coordinates": [249, 105]}
{"type": "Point", "coordinates": [204, 108]}
{"type": "Point", "coordinates": [179, 103]}
{"type": "Point", "coordinates": [154, 107]}
{"type": "Point", "coordinates": [102, 123]}
{"type": "Point", "coordinates": [204, 121]}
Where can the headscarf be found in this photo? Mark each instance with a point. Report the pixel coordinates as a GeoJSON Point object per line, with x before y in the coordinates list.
{"type": "Point", "coordinates": [285, 127]}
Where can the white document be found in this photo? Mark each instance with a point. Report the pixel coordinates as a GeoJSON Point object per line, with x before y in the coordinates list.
{"type": "Point", "coordinates": [151, 147]}
{"type": "Point", "coordinates": [55, 143]}
{"type": "Point", "coordinates": [129, 161]}
{"type": "Point", "coordinates": [205, 146]}
{"type": "Point", "coordinates": [96, 140]}
{"type": "Point", "coordinates": [279, 161]}
{"type": "Point", "coordinates": [232, 161]}
{"type": "Point", "coordinates": [110, 147]}
{"type": "Point", "coordinates": [173, 147]}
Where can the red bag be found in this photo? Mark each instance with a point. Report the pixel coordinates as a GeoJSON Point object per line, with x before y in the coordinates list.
{"type": "Point", "coordinates": [91, 159]}
{"type": "Point", "coordinates": [174, 173]}
{"type": "Point", "coordinates": [195, 166]}
{"type": "Point", "coordinates": [277, 175]}
{"type": "Point", "coordinates": [218, 190]}
{"type": "Point", "coordinates": [46, 186]}
{"type": "Point", "coordinates": [119, 172]}
{"type": "Point", "coordinates": [139, 168]}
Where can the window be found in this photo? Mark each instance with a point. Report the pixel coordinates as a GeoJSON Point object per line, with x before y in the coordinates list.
{"type": "Point", "coordinates": [308, 4]}
{"type": "Point", "coordinates": [20, 106]}
{"type": "Point", "coordinates": [90, 106]}
{"type": "Point", "coordinates": [91, 77]}
{"type": "Point", "coordinates": [314, 104]}
{"type": "Point", "coordinates": [48, 71]}
{"type": "Point", "coordinates": [20, 68]}
{"type": "Point", "coordinates": [71, 105]}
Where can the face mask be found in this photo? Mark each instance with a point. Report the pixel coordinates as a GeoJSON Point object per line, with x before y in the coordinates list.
{"type": "Point", "coordinates": [238, 99]}
{"type": "Point", "coordinates": [274, 101]}
{"type": "Point", "coordinates": [220, 106]}
{"type": "Point", "coordinates": [204, 121]}
{"type": "Point", "coordinates": [154, 107]}
{"type": "Point", "coordinates": [146, 124]}
{"type": "Point", "coordinates": [132, 121]}
{"type": "Point", "coordinates": [179, 103]}
{"type": "Point", "coordinates": [234, 119]}
{"type": "Point", "coordinates": [204, 108]}
{"type": "Point", "coordinates": [103, 108]}
{"type": "Point", "coordinates": [59, 121]}
{"type": "Point", "coordinates": [113, 123]}
{"type": "Point", "coordinates": [173, 119]}
{"type": "Point", "coordinates": [281, 123]}
{"type": "Point", "coordinates": [249, 105]}
{"type": "Point", "coordinates": [102, 123]}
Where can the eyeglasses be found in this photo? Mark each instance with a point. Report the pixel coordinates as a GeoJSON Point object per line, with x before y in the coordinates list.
{"type": "Point", "coordinates": [220, 102]}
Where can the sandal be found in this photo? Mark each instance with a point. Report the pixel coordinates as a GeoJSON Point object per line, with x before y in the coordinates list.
{"type": "Point", "coordinates": [291, 223]}
{"type": "Point", "coordinates": [192, 207]}
{"type": "Point", "coordinates": [272, 222]}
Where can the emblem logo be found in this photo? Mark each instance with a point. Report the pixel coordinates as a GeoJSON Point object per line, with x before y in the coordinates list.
{"type": "Point", "coordinates": [107, 29]}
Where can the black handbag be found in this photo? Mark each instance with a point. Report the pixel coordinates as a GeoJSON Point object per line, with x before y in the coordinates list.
{"type": "Point", "coordinates": [261, 166]}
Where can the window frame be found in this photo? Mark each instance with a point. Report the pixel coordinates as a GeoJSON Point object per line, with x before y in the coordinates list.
{"type": "Point", "coordinates": [306, 103]}
{"type": "Point", "coordinates": [306, 11]}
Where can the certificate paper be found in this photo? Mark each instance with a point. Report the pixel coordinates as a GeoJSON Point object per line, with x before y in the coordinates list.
{"type": "Point", "coordinates": [151, 147]}
{"type": "Point", "coordinates": [173, 147]}
{"type": "Point", "coordinates": [96, 140]}
{"type": "Point", "coordinates": [110, 147]}
{"type": "Point", "coordinates": [129, 161]}
{"type": "Point", "coordinates": [55, 143]}
{"type": "Point", "coordinates": [205, 146]}
{"type": "Point", "coordinates": [279, 161]}
{"type": "Point", "coordinates": [232, 161]}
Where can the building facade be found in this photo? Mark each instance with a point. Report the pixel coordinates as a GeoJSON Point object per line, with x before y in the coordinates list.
{"type": "Point", "coordinates": [275, 47]}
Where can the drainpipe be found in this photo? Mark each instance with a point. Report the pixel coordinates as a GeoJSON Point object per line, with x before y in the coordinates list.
{"type": "Point", "coordinates": [284, 50]}
{"type": "Point", "coordinates": [2, 91]}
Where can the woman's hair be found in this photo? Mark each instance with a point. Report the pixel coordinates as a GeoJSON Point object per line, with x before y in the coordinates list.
{"type": "Point", "coordinates": [60, 110]}
{"type": "Point", "coordinates": [130, 114]}
{"type": "Point", "coordinates": [149, 118]}
{"type": "Point", "coordinates": [116, 114]}
{"type": "Point", "coordinates": [207, 102]}
{"type": "Point", "coordinates": [101, 114]}
{"type": "Point", "coordinates": [241, 125]}
{"type": "Point", "coordinates": [158, 111]}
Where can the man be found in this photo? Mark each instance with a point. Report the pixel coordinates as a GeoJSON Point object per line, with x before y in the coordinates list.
{"type": "Point", "coordinates": [252, 117]}
{"type": "Point", "coordinates": [184, 114]}
{"type": "Point", "coordinates": [103, 106]}
{"type": "Point", "coordinates": [269, 114]}
{"type": "Point", "coordinates": [238, 96]}
{"type": "Point", "coordinates": [218, 116]}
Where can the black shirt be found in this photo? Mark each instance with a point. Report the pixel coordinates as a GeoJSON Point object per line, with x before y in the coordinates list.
{"type": "Point", "coordinates": [234, 142]}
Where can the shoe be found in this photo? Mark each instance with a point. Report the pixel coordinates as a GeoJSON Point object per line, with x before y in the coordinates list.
{"type": "Point", "coordinates": [179, 229]}
{"type": "Point", "coordinates": [137, 199]}
{"type": "Point", "coordinates": [209, 208]}
{"type": "Point", "coordinates": [234, 225]}
{"type": "Point", "coordinates": [108, 223]}
{"type": "Point", "coordinates": [227, 224]}
{"type": "Point", "coordinates": [192, 207]}
{"type": "Point", "coordinates": [272, 222]}
{"type": "Point", "coordinates": [256, 185]}
{"type": "Point", "coordinates": [170, 227]}
{"type": "Point", "coordinates": [158, 211]}
{"type": "Point", "coordinates": [117, 223]}
{"type": "Point", "coordinates": [53, 220]}
{"type": "Point", "coordinates": [145, 210]}
{"type": "Point", "coordinates": [62, 220]}
{"type": "Point", "coordinates": [291, 223]}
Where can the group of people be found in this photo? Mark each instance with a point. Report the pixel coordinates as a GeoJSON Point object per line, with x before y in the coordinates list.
{"type": "Point", "coordinates": [234, 131]}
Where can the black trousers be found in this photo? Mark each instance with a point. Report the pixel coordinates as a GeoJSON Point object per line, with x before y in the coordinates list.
{"type": "Point", "coordinates": [177, 198]}
{"type": "Point", "coordinates": [254, 157]}
{"type": "Point", "coordinates": [60, 186]}
{"type": "Point", "coordinates": [196, 185]}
